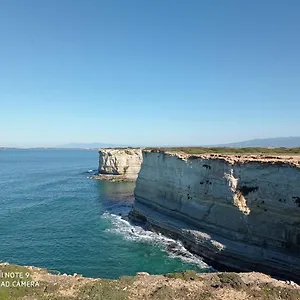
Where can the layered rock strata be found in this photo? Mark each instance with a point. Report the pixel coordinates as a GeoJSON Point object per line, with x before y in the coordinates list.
{"type": "Point", "coordinates": [240, 212]}
{"type": "Point", "coordinates": [119, 164]}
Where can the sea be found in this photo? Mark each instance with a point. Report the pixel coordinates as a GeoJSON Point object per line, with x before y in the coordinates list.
{"type": "Point", "coordinates": [53, 215]}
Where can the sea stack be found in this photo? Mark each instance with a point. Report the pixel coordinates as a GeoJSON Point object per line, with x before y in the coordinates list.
{"type": "Point", "coordinates": [119, 164]}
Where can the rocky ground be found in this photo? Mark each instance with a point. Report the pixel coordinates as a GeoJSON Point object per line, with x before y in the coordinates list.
{"type": "Point", "coordinates": [29, 283]}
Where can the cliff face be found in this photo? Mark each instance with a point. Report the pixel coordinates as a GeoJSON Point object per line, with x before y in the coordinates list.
{"type": "Point", "coordinates": [123, 163]}
{"type": "Point", "coordinates": [239, 212]}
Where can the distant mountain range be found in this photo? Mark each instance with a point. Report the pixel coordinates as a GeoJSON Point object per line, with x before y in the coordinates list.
{"type": "Point", "coordinates": [90, 145]}
{"type": "Point", "coordinates": [287, 142]}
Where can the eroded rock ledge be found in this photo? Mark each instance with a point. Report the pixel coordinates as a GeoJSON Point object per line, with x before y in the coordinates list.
{"type": "Point", "coordinates": [184, 286]}
{"type": "Point", "coordinates": [119, 164]}
{"type": "Point", "coordinates": [236, 211]}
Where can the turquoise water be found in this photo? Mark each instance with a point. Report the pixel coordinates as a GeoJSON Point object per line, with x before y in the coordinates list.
{"type": "Point", "coordinates": [52, 215]}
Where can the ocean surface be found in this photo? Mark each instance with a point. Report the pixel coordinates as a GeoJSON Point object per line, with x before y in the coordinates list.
{"type": "Point", "coordinates": [52, 215]}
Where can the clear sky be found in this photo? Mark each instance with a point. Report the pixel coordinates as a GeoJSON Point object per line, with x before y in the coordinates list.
{"type": "Point", "coordinates": [148, 72]}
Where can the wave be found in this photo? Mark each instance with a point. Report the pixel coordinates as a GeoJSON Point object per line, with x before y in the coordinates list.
{"type": "Point", "coordinates": [90, 172]}
{"type": "Point", "coordinates": [174, 248]}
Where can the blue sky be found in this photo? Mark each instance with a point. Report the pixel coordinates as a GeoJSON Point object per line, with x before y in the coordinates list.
{"type": "Point", "coordinates": [159, 72]}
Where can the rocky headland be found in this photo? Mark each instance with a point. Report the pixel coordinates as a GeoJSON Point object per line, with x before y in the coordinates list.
{"type": "Point", "coordinates": [119, 164]}
{"type": "Point", "coordinates": [239, 211]}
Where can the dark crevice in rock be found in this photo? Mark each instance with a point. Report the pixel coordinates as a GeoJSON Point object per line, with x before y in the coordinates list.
{"type": "Point", "coordinates": [193, 157]}
{"type": "Point", "coordinates": [245, 190]}
{"type": "Point", "coordinates": [297, 200]}
{"type": "Point", "coordinates": [206, 166]}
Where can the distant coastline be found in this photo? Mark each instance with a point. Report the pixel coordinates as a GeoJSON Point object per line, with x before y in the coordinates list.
{"type": "Point", "coordinates": [45, 148]}
{"type": "Point", "coordinates": [278, 142]}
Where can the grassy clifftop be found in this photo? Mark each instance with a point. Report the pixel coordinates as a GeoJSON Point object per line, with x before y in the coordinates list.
{"type": "Point", "coordinates": [30, 283]}
{"type": "Point", "coordinates": [225, 150]}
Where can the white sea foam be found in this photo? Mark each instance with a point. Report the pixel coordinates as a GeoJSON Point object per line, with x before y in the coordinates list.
{"type": "Point", "coordinates": [136, 233]}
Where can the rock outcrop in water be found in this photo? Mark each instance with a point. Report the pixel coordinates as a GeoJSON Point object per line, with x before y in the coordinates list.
{"type": "Point", "coordinates": [119, 164]}
{"type": "Point", "coordinates": [240, 212]}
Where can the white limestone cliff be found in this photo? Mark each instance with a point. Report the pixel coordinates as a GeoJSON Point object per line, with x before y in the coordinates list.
{"type": "Point", "coordinates": [119, 163]}
{"type": "Point", "coordinates": [241, 212]}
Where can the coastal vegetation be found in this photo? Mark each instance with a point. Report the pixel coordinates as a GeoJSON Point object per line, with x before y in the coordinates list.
{"type": "Point", "coordinates": [226, 150]}
{"type": "Point", "coordinates": [185, 285]}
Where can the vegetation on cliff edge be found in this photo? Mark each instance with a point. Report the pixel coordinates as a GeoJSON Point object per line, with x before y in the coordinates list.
{"type": "Point", "coordinates": [184, 286]}
{"type": "Point", "coordinates": [225, 150]}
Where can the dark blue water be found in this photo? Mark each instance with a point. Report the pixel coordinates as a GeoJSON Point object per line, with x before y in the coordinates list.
{"type": "Point", "coordinates": [52, 215]}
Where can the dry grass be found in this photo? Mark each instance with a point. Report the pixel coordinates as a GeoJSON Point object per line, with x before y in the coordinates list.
{"type": "Point", "coordinates": [184, 286]}
{"type": "Point", "coordinates": [225, 150]}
